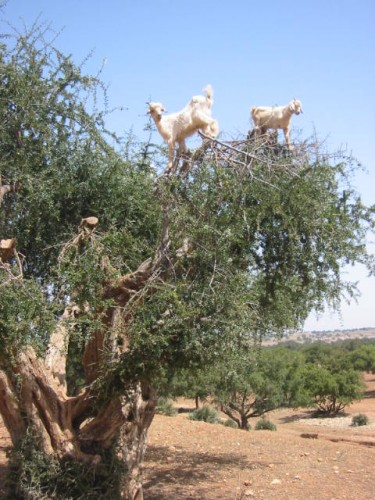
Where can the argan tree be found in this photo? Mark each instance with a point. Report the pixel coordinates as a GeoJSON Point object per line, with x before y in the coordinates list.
{"type": "Point", "coordinates": [329, 391]}
{"type": "Point", "coordinates": [363, 358]}
{"type": "Point", "coordinates": [250, 383]}
{"type": "Point", "coordinates": [117, 277]}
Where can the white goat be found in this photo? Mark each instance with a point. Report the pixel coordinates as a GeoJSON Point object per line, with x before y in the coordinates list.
{"type": "Point", "coordinates": [275, 117]}
{"type": "Point", "coordinates": [176, 127]}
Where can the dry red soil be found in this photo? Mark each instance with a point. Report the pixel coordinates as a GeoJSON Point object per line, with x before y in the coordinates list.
{"type": "Point", "coordinates": [195, 460]}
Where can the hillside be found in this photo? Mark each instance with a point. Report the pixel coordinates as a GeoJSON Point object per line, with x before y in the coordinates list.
{"type": "Point", "coordinates": [326, 336]}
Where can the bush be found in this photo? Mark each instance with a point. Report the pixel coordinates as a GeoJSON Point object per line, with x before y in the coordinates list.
{"type": "Point", "coordinates": [165, 407]}
{"type": "Point", "coordinates": [329, 390]}
{"type": "Point", "coordinates": [359, 420]}
{"type": "Point", "coordinates": [230, 423]}
{"type": "Point", "coordinates": [33, 475]}
{"type": "Point", "coordinates": [265, 425]}
{"type": "Point", "coordinates": [205, 414]}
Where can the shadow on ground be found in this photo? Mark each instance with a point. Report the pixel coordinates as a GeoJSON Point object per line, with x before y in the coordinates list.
{"type": "Point", "coordinates": [191, 471]}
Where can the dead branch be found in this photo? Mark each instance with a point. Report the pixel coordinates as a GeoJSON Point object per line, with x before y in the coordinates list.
{"type": "Point", "coordinates": [86, 229]}
{"type": "Point", "coordinates": [243, 155]}
{"type": "Point", "coordinates": [89, 223]}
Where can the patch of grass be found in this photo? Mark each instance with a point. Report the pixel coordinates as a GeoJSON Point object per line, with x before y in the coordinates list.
{"type": "Point", "coordinates": [229, 423]}
{"type": "Point", "coordinates": [205, 414]}
{"type": "Point", "coordinates": [33, 475]}
{"type": "Point", "coordinates": [265, 425]}
{"type": "Point", "coordinates": [165, 407]}
{"type": "Point", "coordinates": [359, 420]}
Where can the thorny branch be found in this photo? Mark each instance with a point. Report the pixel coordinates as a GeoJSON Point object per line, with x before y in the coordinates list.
{"type": "Point", "coordinates": [246, 154]}
{"type": "Point", "coordinates": [86, 230]}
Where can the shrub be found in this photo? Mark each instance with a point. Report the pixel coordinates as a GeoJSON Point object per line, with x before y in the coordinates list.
{"type": "Point", "coordinates": [230, 423]}
{"type": "Point", "coordinates": [329, 390]}
{"type": "Point", "coordinates": [265, 425]}
{"type": "Point", "coordinates": [34, 475]}
{"type": "Point", "coordinates": [359, 420]}
{"type": "Point", "coordinates": [165, 407]}
{"type": "Point", "coordinates": [205, 414]}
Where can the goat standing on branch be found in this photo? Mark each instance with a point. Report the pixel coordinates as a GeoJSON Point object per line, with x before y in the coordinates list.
{"type": "Point", "coordinates": [275, 117]}
{"type": "Point", "coordinates": [176, 127]}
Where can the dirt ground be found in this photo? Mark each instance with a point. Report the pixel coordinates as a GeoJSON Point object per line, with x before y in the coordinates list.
{"type": "Point", "coordinates": [195, 460]}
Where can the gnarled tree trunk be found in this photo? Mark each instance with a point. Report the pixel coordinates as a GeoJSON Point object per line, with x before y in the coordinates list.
{"type": "Point", "coordinates": [34, 394]}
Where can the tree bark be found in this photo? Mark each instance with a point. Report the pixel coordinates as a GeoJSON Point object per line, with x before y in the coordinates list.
{"type": "Point", "coordinates": [9, 409]}
{"type": "Point", "coordinates": [40, 399]}
{"type": "Point", "coordinates": [57, 351]}
{"type": "Point", "coordinates": [133, 440]}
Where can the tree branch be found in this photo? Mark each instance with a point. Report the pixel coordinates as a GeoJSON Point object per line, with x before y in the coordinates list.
{"type": "Point", "coordinates": [57, 350]}
{"type": "Point", "coordinates": [46, 405]}
{"type": "Point", "coordinates": [8, 188]}
{"type": "Point", "coordinates": [127, 292]}
{"type": "Point", "coordinates": [8, 252]}
{"type": "Point", "coordinates": [9, 408]}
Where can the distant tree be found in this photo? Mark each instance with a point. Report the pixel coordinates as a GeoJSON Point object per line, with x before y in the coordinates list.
{"type": "Point", "coordinates": [113, 279]}
{"type": "Point", "coordinates": [283, 365]}
{"type": "Point", "coordinates": [250, 385]}
{"type": "Point", "coordinates": [332, 356]}
{"type": "Point", "coordinates": [329, 391]}
{"type": "Point", "coordinates": [192, 383]}
{"type": "Point", "coordinates": [320, 353]}
{"type": "Point", "coordinates": [363, 358]}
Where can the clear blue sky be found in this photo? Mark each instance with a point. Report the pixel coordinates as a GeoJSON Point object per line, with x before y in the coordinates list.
{"type": "Point", "coordinates": [253, 53]}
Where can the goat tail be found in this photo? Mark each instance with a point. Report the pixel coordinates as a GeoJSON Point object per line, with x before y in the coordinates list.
{"type": "Point", "coordinates": [208, 91]}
